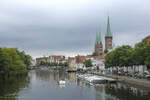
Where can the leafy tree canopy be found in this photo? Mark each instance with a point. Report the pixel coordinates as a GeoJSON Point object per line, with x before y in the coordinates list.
{"type": "Point", "coordinates": [12, 60]}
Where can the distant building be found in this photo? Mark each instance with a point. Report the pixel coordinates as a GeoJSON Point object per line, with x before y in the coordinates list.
{"type": "Point", "coordinates": [108, 41]}
{"type": "Point", "coordinates": [98, 61]}
{"type": "Point", "coordinates": [108, 37]}
{"type": "Point", "coordinates": [98, 44]}
{"type": "Point", "coordinates": [56, 59]}
{"type": "Point", "coordinates": [77, 61]}
{"type": "Point", "coordinates": [41, 59]}
{"type": "Point", "coordinates": [51, 59]}
{"type": "Point", "coordinates": [33, 62]}
{"type": "Point", "coordinates": [147, 38]}
{"type": "Point", "coordinates": [72, 63]}
{"type": "Point", "coordinates": [98, 56]}
{"type": "Point", "coordinates": [80, 60]}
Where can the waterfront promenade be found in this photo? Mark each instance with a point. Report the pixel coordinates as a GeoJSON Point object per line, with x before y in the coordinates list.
{"type": "Point", "coordinates": [143, 83]}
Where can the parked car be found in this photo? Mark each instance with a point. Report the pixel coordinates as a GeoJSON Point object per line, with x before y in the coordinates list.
{"type": "Point", "coordinates": [130, 74]}
{"type": "Point", "coordinates": [120, 72]}
{"type": "Point", "coordinates": [136, 74]}
{"type": "Point", "coordinates": [139, 75]}
{"type": "Point", "coordinates": [126, 73]}
{"type": "Point", "coordinates": [145, 74]}
{"type": "Point", "coordinates": [148, 71]}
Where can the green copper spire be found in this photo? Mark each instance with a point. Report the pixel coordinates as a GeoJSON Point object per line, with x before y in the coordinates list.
{"type": "Point", "coordinates": [108, 34]}
{"type": "Point", "coordinates": [98, 38]}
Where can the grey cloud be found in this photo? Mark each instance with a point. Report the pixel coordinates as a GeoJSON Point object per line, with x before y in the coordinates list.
{"type": "Point", "coordinates": [71, 27]}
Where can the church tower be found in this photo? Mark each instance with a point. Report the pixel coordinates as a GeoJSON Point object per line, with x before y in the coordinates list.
{"type": "Point", "coordinates": [98, 44]}
{"type": "Point", "coordinates": [108, 37]}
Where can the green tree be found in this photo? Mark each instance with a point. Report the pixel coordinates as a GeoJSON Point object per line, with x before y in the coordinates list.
{"type": "Point", "coordinates": [88, 63]}
{"type": "Point", "coordinates": [26, 58]}
{"type": "Point", "coordinates": [127, 56]}
{"type": "Point", "coordinates": [95, 54]}
{"type": "Point", "coordinates": [121, 56]}
{"type": "Point", "coordinates": [11, 61]}
{"type": "Point", "coordinates": [147, 55]}
{"type": "Point", "coordinates": [5, 61]}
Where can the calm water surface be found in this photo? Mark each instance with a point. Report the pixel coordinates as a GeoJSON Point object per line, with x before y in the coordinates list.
{"type": "Point", "coordinates": [42, 85]}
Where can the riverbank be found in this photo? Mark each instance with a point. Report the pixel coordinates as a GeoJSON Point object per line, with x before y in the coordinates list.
{"type": "Point", "coordinates": [143, 83]}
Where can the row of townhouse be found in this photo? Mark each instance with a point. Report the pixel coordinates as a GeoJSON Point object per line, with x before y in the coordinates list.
{"type": "Point", "coordinates": [74, 63]}
{"type": "Point", "coordinates": [77, 62]}
{"type": "Point", "coordinates": [41, 59]}
{"type": "Point", "coordinates": [57, 59]}
{"type": "Point", "coordinates": [51, 59]}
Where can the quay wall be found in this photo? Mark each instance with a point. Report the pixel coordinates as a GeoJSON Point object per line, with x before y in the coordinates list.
{"type": "Point", "coordinates": [143, 83]}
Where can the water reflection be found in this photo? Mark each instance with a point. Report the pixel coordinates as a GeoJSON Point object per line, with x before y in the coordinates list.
{"type": "Point", "coordinates": [10, 86]}
{"type": "Point", "coordinates": [48, 75]}
{"type": "Point", "coordinates": [42, 84]}
{"type": "Point", "coordinates": [127, 92]}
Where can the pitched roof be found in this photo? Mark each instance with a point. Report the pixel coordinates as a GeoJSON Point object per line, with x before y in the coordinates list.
{"type": "Point", "coordinates": [147, 38]}
{"type": "Point", "coordinates": [98, 57]}
{"type": "Point", "coordinates": [80, 59]}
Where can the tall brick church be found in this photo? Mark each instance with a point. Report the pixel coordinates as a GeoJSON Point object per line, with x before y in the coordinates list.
{"type": "Point", "coordinates": [108, 41]}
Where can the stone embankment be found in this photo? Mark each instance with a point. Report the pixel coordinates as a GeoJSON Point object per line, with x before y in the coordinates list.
{"type": "Point", "coordinates": [143, 83]}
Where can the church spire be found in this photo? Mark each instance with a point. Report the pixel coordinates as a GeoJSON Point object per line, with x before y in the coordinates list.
{"type": "Point", "coordinates": [108, 37]}
{"type": "Point", "coordinates": [108, 34]}
{"type": "Point", "coordinates": [98, 38]}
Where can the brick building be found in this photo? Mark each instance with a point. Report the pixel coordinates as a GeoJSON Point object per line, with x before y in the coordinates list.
{"type": "Point", "coordinates": [147, 38]}
{"type": "Point", "coordinates": [108, 37]}
{"type": "Point", "coordinates": [98, 44]}
{"type": "Point", "coordinates": [108, 41]}
{"type": "Point", "coordinates": [41, 59]}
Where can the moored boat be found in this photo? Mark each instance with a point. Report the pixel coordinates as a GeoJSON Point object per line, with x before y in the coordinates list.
{"type": "Point", "coordinates": [62, 82]}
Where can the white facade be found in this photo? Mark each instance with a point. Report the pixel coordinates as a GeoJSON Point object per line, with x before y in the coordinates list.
{"type": "Point", "coordinates": [80, 66]}
{"type": "Point", "coordinates": [98, 63]}
{"type": "Point", "coordinates": [33, 62]}
{"type": "Point", "coordinates": [56, 59]}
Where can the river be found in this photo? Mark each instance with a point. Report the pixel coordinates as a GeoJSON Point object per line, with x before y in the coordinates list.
{"type": "Point", "coordinates": [42, 85]}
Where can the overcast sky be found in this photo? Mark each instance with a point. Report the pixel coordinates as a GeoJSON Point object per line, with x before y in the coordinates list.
{"type": "Point", "coordinates": [68, 27]}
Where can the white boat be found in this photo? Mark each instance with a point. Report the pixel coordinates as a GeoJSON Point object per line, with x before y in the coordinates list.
{"type": "Point", "coordinates": [96, 80]}
{"type": "Point", "coordinates": [62, 82]}
{"type": "Point", "coordinates": [92, 79]}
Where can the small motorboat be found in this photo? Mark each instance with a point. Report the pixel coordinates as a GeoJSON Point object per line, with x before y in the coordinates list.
{"type": "Point", "coordinates": [62, 82]}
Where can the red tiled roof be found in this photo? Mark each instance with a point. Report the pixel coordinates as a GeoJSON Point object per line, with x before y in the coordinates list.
{"type": "Point", "coordinates": [58, 57]}
{"type": "Point", "coordinates": [98, 57]}
{"type": "Point", "coordinates": [42, 59]}
{"type": "Point", "coordinates": [147, 38]}
{"type": "Point", "coordinates": [80, 59]}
